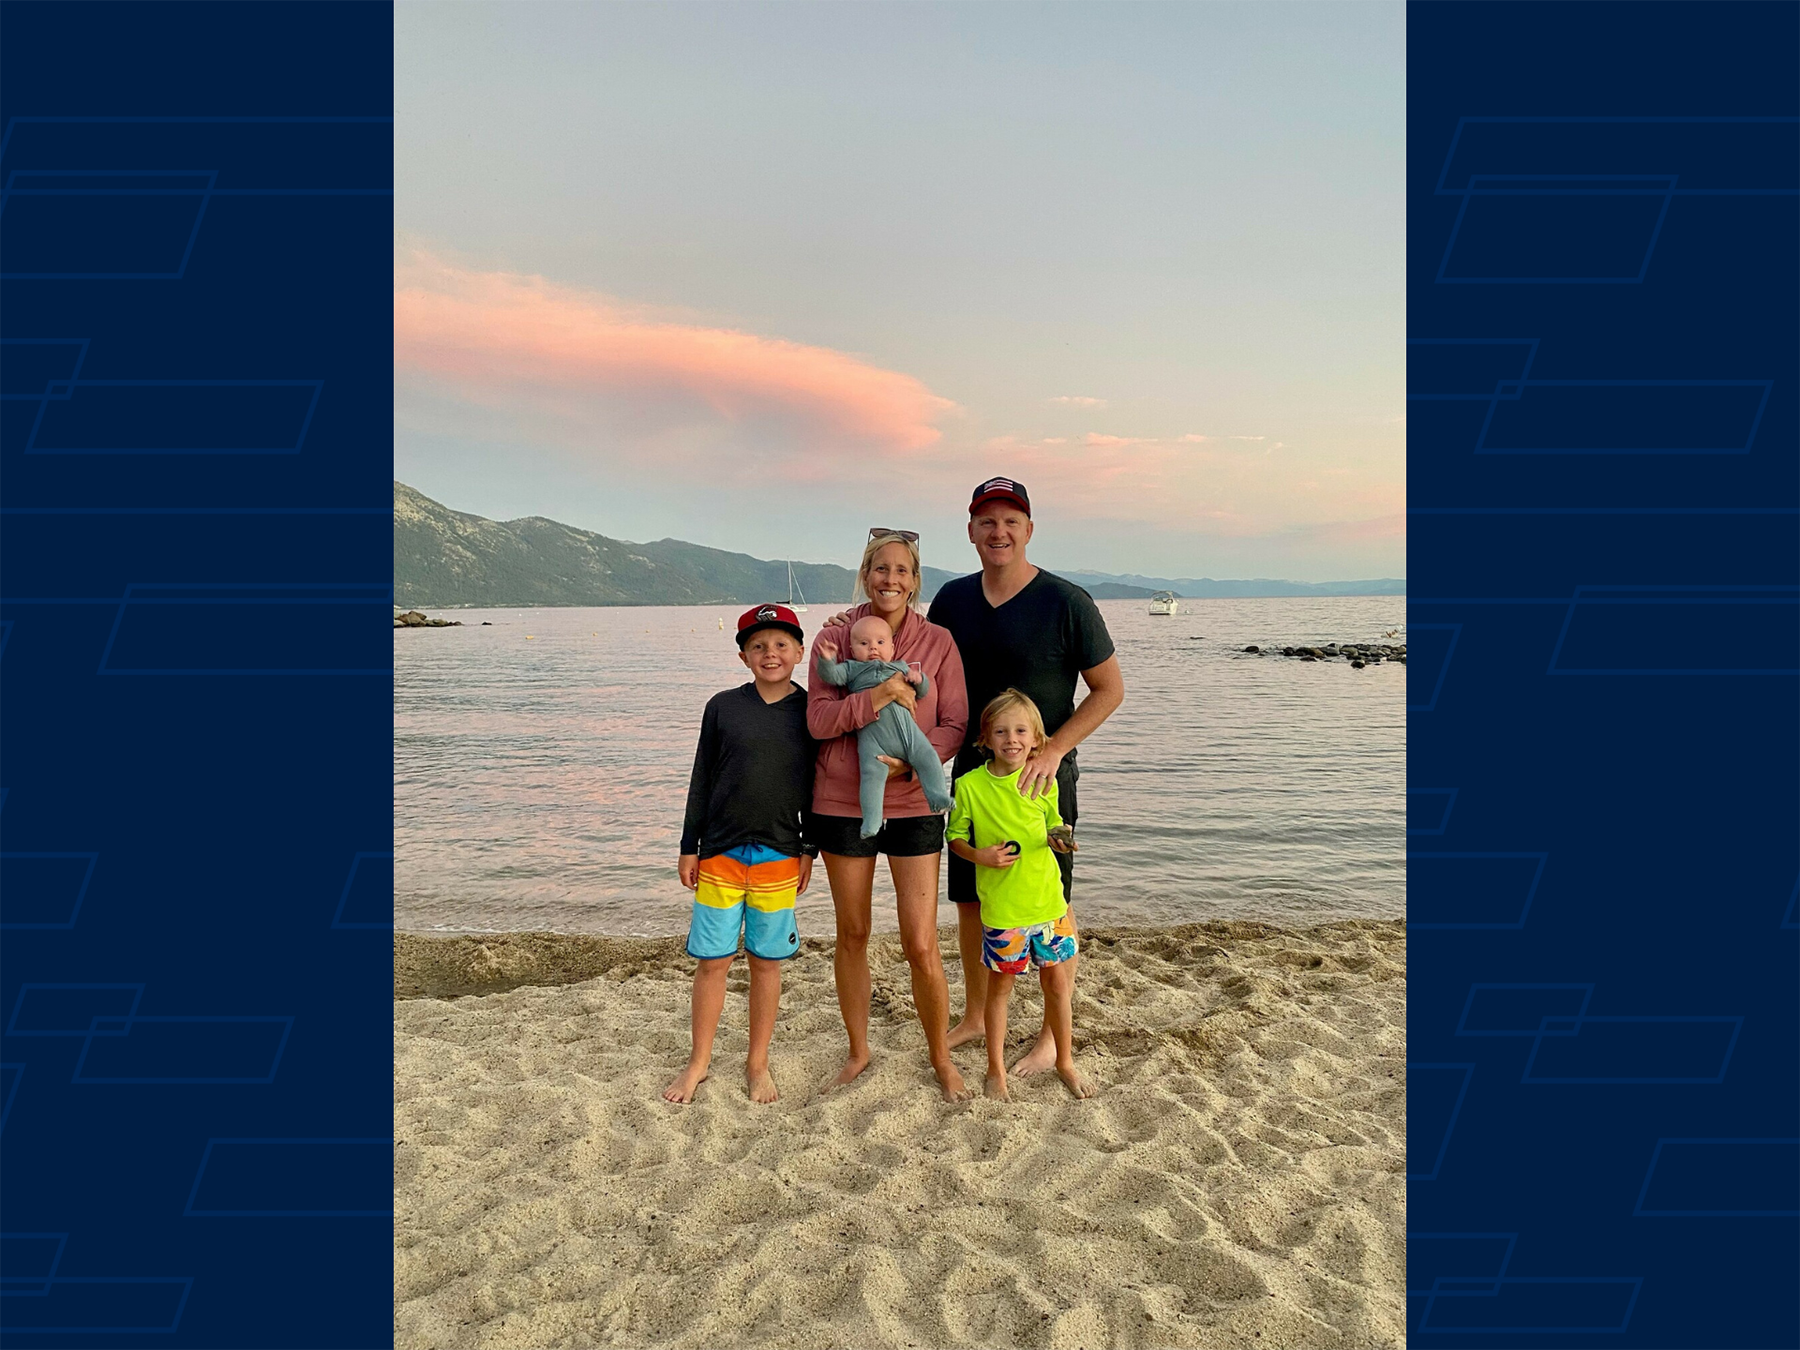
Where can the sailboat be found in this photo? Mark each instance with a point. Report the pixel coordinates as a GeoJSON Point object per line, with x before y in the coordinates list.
{"type": "Point", "coordinates": [799, 607]}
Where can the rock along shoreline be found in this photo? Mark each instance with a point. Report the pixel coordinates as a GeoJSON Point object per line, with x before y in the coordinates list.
{"type": "Point", "coordinates": [414, 619]}
{"type": "Point", "coordinates": [1358, 654]}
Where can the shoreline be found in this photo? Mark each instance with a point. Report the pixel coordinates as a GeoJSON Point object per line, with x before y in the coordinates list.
{"type": "Point", "coordinates": [473, 964]}
{"type": "Point", "coordinates": [1238, 1182]}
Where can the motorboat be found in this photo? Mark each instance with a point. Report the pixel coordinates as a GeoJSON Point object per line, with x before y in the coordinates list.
{"type": "Point", "coordinates": [1164, 602]}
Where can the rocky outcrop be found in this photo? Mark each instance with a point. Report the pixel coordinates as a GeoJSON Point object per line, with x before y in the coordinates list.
{"type": "Point", "coordinates": [1359, 654]}
{"type": "Point", "coordinates": [413, 619]}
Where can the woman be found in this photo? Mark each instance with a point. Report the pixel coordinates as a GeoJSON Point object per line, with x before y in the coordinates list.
{"type": "Point", "coordinates": [911, 835]}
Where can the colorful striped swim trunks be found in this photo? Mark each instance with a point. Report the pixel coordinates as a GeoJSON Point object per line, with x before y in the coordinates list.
{"type": "Point", "coordinates": [1010, 950]}
{"type": "Point", "coordinates": [747, 891]}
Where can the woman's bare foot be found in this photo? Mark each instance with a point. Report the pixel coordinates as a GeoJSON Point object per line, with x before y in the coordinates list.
{"type": "Point", "coordinates": [1077, 1083]}
{"type": "Point", "coordinates": [852, 1067]}
{"type": "Point", "coordinates": [994, 1085]}
{"type": "Point", "coordinates": [1040, 1057]}
{"type": "Point", "coordinates": [964, 1032]}
{"type": "Point", "coordinates": [686, 1083]}
{"type": "Point", "coordinates": [761, 1084]}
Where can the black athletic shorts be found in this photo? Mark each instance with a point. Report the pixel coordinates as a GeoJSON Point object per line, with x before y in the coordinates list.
{"type": "Point", "coordinates": [905, 837]}
{"type": "Point", "coordinates": [962, 872]}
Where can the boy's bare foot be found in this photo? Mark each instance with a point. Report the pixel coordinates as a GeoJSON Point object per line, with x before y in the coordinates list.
{"type": "Point", "coordinates": [950, 1082]}
{"type": "Point", "coordinates": [686, 1083]}
{"type": "Point", "coordinates": [762, 1085]}
{"type": "Point", "coordinates": [1077, 1083]}
{"type": "Point", "coordinates": [964, 1032]}
{"type": "Point", "coordinates": [852, 1067]}
{"type": "Point", "coordinates": [994, 1085]}
{"type": "Point", "coordinates": [1039, 1058]}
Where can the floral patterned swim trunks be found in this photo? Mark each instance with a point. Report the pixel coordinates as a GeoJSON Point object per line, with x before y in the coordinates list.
{"type": "Point", "coordinates": [1011, 950]}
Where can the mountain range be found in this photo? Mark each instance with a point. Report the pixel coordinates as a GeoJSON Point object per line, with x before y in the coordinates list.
{"type": "Point", "coordinates": [445, 558]}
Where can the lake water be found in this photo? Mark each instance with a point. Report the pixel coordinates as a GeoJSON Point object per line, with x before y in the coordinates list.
{"type": "Point", "coordinates": [541, 768]}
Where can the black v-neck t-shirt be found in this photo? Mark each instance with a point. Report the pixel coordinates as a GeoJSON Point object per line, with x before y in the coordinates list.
{"type": "Point", "coordinates": [1038, 642]}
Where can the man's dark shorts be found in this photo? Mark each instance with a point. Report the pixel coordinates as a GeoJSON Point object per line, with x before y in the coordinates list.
{"type": "Point", "coordinates": [962, 872]}
{"type": "Point", "coordinates": [905, 837]}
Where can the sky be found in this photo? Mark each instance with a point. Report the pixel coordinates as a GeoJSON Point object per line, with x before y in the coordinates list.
{"type": "Point", "coordinates": [761, 276]}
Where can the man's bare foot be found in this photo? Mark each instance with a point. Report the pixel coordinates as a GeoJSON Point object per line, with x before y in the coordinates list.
{"type": "Point", "coordinates": [964, 1032]}
{"type": "Point", "coordinates": [761, 1084]}
{"type": "Point", "coordinates": [686, 1083]}
{"type": "Point", "coordinates": [950, 1082]}
{"type": "Point", "coordinates": [994, 1085]}
{"type": "Point", "coordinates": [1039, 1058]}
{"type": "Point", "coordinates": [852, 1067]}
{"type": "Point", "coordinates": [1077, 1083]}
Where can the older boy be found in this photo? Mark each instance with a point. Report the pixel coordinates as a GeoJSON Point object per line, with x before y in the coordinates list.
{"type": "Point", "coordinates": [743, 853]}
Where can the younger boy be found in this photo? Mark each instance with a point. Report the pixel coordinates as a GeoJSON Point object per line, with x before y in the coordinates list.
{"type": "Point", "coordinates": [1025, 921]}
{"type": "Point", "coordinates": [742, 850]}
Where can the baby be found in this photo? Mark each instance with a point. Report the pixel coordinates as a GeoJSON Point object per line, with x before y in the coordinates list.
{"type": "Point", "coordinates": [893, 732]}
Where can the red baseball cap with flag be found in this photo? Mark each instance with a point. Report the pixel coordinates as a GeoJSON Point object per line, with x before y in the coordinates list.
{"type": "Point", "coordinates": [768, 616]}
{"type": "Point", "coordinates": [1001, 489]}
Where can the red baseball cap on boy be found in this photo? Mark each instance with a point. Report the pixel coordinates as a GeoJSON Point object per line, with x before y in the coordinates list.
{"type": "Point", "coordinates": [1001, 489]}
{"type": "Point", "coordinates": [768, 616]}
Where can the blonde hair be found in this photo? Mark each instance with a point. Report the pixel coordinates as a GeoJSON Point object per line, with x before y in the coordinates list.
{"type": "Point", "coordinates": [1005, 701]}
{"type": "Point", "coordinates": [878, 543]}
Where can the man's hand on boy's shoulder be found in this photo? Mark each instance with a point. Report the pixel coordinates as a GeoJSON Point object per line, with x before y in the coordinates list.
{"type": "Point", "coordinates": [1039, 774]}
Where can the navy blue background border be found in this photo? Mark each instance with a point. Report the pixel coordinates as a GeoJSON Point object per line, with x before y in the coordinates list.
{"type": "Point", "coordinates": [1603, 1133]}
{"type": "Point", "coordinates": [196, 241]}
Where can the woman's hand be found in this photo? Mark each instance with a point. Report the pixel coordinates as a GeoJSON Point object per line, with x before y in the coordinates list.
{"type": "Point", "coordinates": [894, 689]}
{"type": "Point", "coordinates": [689, 871]}
{"type": "Point", "coordinates": [897, 768]}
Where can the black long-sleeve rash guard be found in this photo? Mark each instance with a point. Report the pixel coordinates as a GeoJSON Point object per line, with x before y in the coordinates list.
{"type": "Point", "coordinates": [753, 775]}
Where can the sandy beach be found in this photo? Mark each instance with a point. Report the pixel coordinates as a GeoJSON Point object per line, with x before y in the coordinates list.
{"type": "Point", "coordinates": [1238, 1182]}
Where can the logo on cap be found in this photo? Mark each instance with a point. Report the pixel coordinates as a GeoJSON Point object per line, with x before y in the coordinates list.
{"type": "Point", "coordinates": [767, 612]}
{"type": "Point", "coordinates": [1010, 488]}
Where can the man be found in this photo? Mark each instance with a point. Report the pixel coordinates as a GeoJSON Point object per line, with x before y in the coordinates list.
{"type": "Point", "coordinates": [1018, 626]}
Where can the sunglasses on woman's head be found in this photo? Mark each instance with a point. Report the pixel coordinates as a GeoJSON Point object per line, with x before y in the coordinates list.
{"type": "Point", "coordinates": [876, 531]}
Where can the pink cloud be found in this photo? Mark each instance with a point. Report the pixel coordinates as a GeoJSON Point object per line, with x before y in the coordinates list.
{"type": "Point", "coordinates": [1079, 401]}
{"type": "Point", "coordinates": [501, 334]}
{"type": "Point", "coordinates": [1238, 491]}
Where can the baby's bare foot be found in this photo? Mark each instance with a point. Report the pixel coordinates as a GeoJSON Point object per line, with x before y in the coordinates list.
{"type": "Point", "coordinates": [1077, 1082]}
{"type": "Point", "coordinates": [950, 1082]}
{"type": "Point", "coordinates": [964, 1032]}
{"type": "Point", "coordinates": [994, 1085]}
{"type": "Point", "coordinates": [852, 1067]}
{"type": "Point", "coordinates": [1040, 1057]}
{"type": "Point", "coordinates": [762, 1085]}
{"type": "Point", "coordinates": [685, 1084]}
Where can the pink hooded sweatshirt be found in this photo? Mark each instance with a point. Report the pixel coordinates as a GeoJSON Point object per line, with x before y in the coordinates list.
{"type": "Point", "coordinates": [834, 716]}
